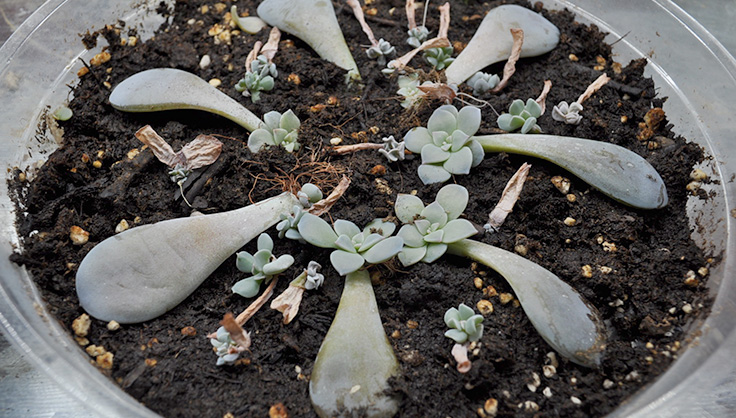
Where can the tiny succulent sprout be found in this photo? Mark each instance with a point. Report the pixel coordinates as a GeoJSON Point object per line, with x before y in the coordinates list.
{"type": "Point", "coordinates": [179, 174]}
{"type": "Point", "coordinates": [439, 58]}
{"type": "Point", "coordinates": [409, 89]}
{"type": "Point", "coordinates": [427, 231]}
{"type": "Point", "coordinates": [262, 266]}
{"type": "Point", "coordinates": [465, 325]}
{"type": "Point", "coordinates": [287, 226]}
{"type": "Point", "coordinates": [380, 51]}
{"type": "Point", "coordinates": [417, 36]}
{"type": "Point", "coordinates": [521, 116]}
{"type": "Point", "coordinates": [309, 195]}
{"type": "Point", "coordinates": [314, 278]}
{"type": "Point", "coordinates": [260, 77]}
{"type": "Point", "coordinates": [570, 114]}
{"type": "Point", "coordinates": [446, 145]}
{"type": "Point", "coordinates": [483, 82]}
{"type": "Point", "coordinates": [392, 149]}
{"type": "Point", "coordinates": [62, 113]}
{"type": "Point", "coordinates": [226, 348]}
{"type": "Point", "coordinates": [277, 129]}
{"type": "Point", "coordinates": [353, 247]}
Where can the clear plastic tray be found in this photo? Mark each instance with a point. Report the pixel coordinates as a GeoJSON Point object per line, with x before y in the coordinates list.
{"type": "Point", "coordinates": [687, 63]}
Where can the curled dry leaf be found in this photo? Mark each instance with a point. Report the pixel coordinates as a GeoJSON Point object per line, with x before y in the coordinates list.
{"type": "Point", "coordinates": [411, 14]}
{"type": "Point", "coordinates": [440, 41]}
{"type": "Point", "coordinates": [510, 68]}
{"type": "Point", "coordinates": [358, 12]}
{"type": "Point", "coordinates": [444, 21]}
{"type": "Point", "coordinates": [203, 150]}
{"type": "Point", "coordinates": [347, 149]}
{"type": "Point", "coordinates": [509, 196]}
{"type": "Point", "coordinates": [237, 333]}
{"type": "Point", "coordinates": [252, 55]}
{"type": "Point", "coordinates": [543, 96]}
{"type": "Point", "coordinates": [272, 45]}
{"type": "Point", "coordinates": [288, 302]}
{"type": "Point", "coordinates": [594, 87]}
{"type": "Point", "coordinates": [324, 205]}
{"type": "Point", "coordinates": [439, 91]}
{"type": "Point", "coordinates": [257, 304]}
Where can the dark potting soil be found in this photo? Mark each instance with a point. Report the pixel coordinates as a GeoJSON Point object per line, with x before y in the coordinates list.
{"type": "Point", "coordinates": [630, 264]}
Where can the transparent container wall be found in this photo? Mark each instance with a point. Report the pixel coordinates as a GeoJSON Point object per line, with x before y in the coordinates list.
{"type": "Point", "coordinates": [687, 64]}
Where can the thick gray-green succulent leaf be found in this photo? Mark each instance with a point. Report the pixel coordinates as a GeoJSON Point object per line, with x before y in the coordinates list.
{"type": "Point", "coordinates": [566, 321]}
{"type": "Point", "coordinates": [314, 22]}
{"type": "Point", "coordinates": [161, 89]}
{"type": "Point", "coordinates": [355, 362]}
{"type": "Point", "coordinates": [616, 171]}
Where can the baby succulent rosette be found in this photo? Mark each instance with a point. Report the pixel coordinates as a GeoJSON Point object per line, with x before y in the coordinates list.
{"type": "Point", "coordinates": [428, 230]}
{"type": "Point", "coordinates": [446, 145]}
{"type": "Point", "coordinates": [353, 247]}
{"type": "Point", "coordinates": [262, 265]}
{"type": "Point", "coordinates": [465, 325]}
{"type": "Point", "coordinates": [277, 129]}
{"type": "Point", "coordinates": [522, 117]}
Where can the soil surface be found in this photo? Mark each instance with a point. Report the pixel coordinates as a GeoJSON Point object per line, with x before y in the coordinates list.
{"type": "Point", "coordinates": [631, 264]}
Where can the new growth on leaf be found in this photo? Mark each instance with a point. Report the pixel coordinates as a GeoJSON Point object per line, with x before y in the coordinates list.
{"type": "Point", "coordinates": [521, 117]}
{"type": "Point", "coordinates": [392, 149]}
{"type": "Point", "coordinates": [262, 265]}
{"type": "Point", "coordinates": [447, 145]}
{"type": "Point", "coordinates": [482, 82]}
{"type": "Point", "coordinates": [353, 247]}
{"type": "Point", "coordinates": [465, 325]}
{"type": "Point", "coordinates": [260, 71]}
{"type": "Point", "coordinates": [277, 129]}
{"type": "Point", "coordinates": [427, 231]}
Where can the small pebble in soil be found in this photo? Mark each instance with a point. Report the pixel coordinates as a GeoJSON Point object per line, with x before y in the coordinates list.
{"type": "Point", "coordinates": [552, 356]}
{"type": "Point", "coordinates": [535, 382]}
{"type": "Point", "coordinates": [703, 271]}
{"type": "Point", "coordinates": [81, 325]}
{"type": "Point", "coordinates": [95, 350]}
{"type": "Point", "coordinates": [294, 79]}
{"type": "Point", "coordinates": [693, 187]}
{"type": "Point", "coordinates": [478, 283]}
{"type": "Point", "coordinates": [571, 198]}
{"type": "Point", "coordinates": [490, 407]}
{"type": "Point", "coordinates": [113, 326]}
{"type": "Point", "coordinates": [687, 308]}
{"type": "Point", "coordinates": [189, 331]}
{"type": "Point", "coordinates": [547, 392]}
{"type": "Point", "coordinates": [570, 221]}
{"type": "Point", "coordinates": [490, 291]}
{"type": "Point", "coordinates": [549, 370]}
{"type": "Point", "coordinates": [561, 183]}
{"type": "Point", "coordinates": [151, 362]}
{"type": "Point", "coordinates": [485, 307]}
{"type": "Point", "coordinates": [586, 271]}
{"type": "Point", "coordinates": [215, 82]}
{"type": "Point", "coordinates": [529, 406]}
{"type": "Point", "coordinates": [121, 226]}
{"type": "Point", "coordinates": [608, 384]}
{"type": "Point", "coordinates": [105, 361]}
{"type": "Point", "coordinates": [278, 411]}
{"type": "Point", "coordinates": [698, 175]}
{"type": "Point", "coordinates": [81, 341]}
{"type": "Point", "coordinates": [572, 57]}
{"type": "Point", "coordinates": [505, 298]}
{"type": "Point", "coordinates": [78, 235]}
{"type": "Point", "coordinates": [396, 334]}
{"type": "Point", "coordinates": [336, 140]}
{"type": "Point", "coordinates": [412, 324]}
{"type": "Point", "coordinates": [575, 400]}
{"type": "Point", "coordinates": [605, 270]}
{"type": "Point", "coordinates": [205, 61]}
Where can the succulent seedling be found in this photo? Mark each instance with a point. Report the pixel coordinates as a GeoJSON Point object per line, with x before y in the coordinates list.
{"type": "Point", "coordinates": [277, 129]}
{"type": "Point", "coordinates": [482, 82]}
{"type": "Point", "coordinates": [521, 117]}
{"type": "Point", "coordinates": [262, 265]}
{"type": "Point", "coordinates": [446, 145]}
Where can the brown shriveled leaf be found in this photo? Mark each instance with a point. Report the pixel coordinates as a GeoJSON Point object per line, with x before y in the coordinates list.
{"type": "Point", "coordinates": [347, 149]}
{"type": "Point", "coordinates": [594, 87]}
{"type": "Point", "coordinates": [411, 14]}
{"type": "Point", "coordinates": [256, 304]}
{"type": "Point", "coordinates": [324, 205]}
{"type": "Point", "coordinates": [161, 149]}
{"type": "Point", "coordinates": [237, 333]}
{"type": "Point", "coordinates": [439, 91]}
{"type": "Point", "coordinates": [541, 100]}
{"type": "Point", "coordinates": [272, 45]}
{"type": "Point", "coordinates": [510, 68]}
{"type": "Point", "coordinates": [401, 62]}
{"type": "Point", "coordinates": [288, 302]}
{"type": "Point", "coordinates": [204, 150]}
{"type": "Point", "coordinates": [358, 12]}
{"type": "Point", "coordinates": [509, 197]}
{"type": "Point", "coordinates": [444, 21]}
{"type": "Point", "coordinates": [252, 55]}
